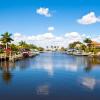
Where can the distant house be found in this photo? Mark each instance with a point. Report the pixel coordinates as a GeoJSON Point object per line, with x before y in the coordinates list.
{"type": "Point", "coordinates": [95, 44]}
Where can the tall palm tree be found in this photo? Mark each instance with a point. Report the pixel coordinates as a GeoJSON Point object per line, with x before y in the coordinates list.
{"type": "Point", "coordinates": [6, 39]}
{"type": "Point", "coordinates": [47, 47]}
{"type": "Point", "coordinates": [51, 46]}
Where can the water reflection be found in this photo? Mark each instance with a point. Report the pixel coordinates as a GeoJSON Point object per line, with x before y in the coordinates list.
{"type": "Point", "coordinates": [24, 64]}
{"type": "Point", "coordinates": [69, 63]}
{"type": "Point", "coordinates": [7, 76]}
{"type": "Point", "coordinates": [63, 75]}
{"type": "Point", "coordinates": [49, 63]}
{"type": "Point", "coordinates": [91, 63]}
{"type": "Point", "coordinates": [71, 67]}
{"type": "Point", "coordinates": [6, 68]}
{"type": "Point", "coordinates": [43, 90]}
{"type": "Point", "coordinates": [74, 63]}
{"type": "Point", "coordinates": [89, 82]}
{"type": "Point", "coordinates": [45, 63]}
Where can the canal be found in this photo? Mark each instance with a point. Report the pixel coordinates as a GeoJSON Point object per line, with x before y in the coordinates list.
{"type": "Point", "coordinates": [51, 76]}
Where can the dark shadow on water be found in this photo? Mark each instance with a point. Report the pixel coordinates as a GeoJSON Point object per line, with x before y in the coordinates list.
{"type": "Point", "coordinates": [7, 76]}
{"type": "Point", "coordinates": [91, 63]}
{"type": "Point", "coordinates": [6, 68]}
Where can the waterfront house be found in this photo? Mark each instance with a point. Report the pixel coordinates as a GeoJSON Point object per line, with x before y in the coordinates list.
{"type": "Point", "coordinates": [95, 44]}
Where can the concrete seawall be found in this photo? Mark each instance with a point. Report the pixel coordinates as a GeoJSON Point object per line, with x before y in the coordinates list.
{"type": "Point", "coordinates": [15, 57]}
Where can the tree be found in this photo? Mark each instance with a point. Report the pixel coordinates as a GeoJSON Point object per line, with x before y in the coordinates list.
{"type": "Point", "coordinates": [32, 46]}
{"type": "Point", "coordinates": [83, 47]}
{"type": "Point", "coordinates": [88, 41]}
{"type": "Point", "coordinates": [52, 47]}
{"type": "Point", "coordinates": [73, 45]}
{"type": "Point", "coordinates": [62, 49]}
{"type": "Point", "coordinates": [14, 47]}
{"type": "Point", "coordinates": [6, 38]}
{"type": "Point", "coordinates": [41, 49]}
{"type": "Point", "coordinates": [47, 47]}
{"type": "Point", "coordinates": [55, 47]}
{"type": "Point", "coordinates": [22, 43]}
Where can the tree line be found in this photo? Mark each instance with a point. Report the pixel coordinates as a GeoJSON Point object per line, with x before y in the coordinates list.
{"type": "Point", "coordinates": [6, 42]}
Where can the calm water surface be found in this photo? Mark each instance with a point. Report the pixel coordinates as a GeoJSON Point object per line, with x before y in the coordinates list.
{"type": "Point", "coordinates": [51, 76]}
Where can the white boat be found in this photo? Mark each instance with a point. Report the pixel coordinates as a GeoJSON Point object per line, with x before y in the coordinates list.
{"type": "Point", "coordinates": [80, 54]}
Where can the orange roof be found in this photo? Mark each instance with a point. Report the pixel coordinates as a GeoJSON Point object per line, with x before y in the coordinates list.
{"type": "Point", "coordinates": [95, 43]}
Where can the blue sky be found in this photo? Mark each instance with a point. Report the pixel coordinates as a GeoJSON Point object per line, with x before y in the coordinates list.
{"type": "Point", "coordinates": [21, 16]}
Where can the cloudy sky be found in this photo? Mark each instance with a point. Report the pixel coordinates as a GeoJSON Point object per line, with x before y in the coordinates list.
{"type": "Point", "coordinates": [50, 22]}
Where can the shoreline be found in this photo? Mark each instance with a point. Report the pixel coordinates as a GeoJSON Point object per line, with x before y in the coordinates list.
{"type": "Point", "coordinates": [14, 58]}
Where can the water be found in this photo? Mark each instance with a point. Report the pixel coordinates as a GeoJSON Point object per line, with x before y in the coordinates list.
{"type": "Point", "coordinates": [51, 76]}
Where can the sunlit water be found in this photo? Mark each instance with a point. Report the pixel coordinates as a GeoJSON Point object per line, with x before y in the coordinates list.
{"type": "Point", "coordinates": [51, 76]}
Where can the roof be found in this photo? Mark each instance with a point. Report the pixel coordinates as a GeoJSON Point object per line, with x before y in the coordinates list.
{"type": "Point", "coordinates": [95, 43]}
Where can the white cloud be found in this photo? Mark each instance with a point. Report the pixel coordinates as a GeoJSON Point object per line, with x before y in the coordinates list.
{"type": "Point", "coordinates": [17, 35]}
{"type": "Point", "coordinates": [48, 36]}
{"type": "Point", "coordinates": [43, 11]}
{"type": "Point", "coordinates": [51, 28]}
{"type": "Point", "coordinates": [90, 18]}
{"type": "Point", "coordinates": [48, 39]}
{"type": "Point", "coordinates": [97, 38]}
{"type": "Point", "coordinates": [74, 36]}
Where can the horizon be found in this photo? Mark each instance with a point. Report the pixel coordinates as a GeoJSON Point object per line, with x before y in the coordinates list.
{"type": "Point", "coordinates": [47, 22]}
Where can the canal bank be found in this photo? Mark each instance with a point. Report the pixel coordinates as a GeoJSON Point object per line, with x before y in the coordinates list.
{"type": "Point", "coordinates": [16, 57]}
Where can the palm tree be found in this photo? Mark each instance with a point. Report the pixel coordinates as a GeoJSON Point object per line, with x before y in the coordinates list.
{"type": "Point", "coordinates": [6, 39]}
{"type": "Point", "coordinates": [47, 47]}
{"type": "Point", "coordinates": [22, 44]}
{"type": "Point", "coordinates": [14, 47]}
{"type": "Point", "coordinates": [51, 46]}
